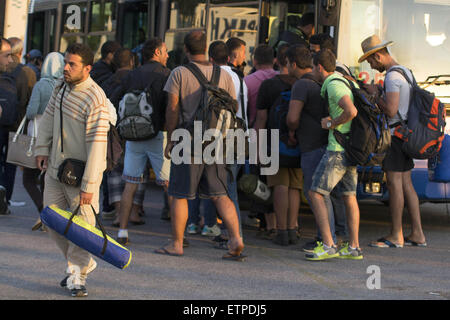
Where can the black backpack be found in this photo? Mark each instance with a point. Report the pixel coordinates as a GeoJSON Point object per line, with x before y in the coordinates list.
{"type": "Point", "coordinates": [8, 101]}
{"type": "Point", "coordinates": [369, 138]}
{"type": "Point", "coordinates": [217, 109]}
{"type": "Point", "coordinates": [423, 133]}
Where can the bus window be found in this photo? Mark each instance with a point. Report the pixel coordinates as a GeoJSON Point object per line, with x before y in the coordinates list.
{"type": "Point", "coordinates": [174, 40]}
{"type": "Point", "coordinates": [420, 30]}
{"type": "Point", "coordinates": [187, 14]}
{"type": "Point", "coordinates": [66, 41]}
{"type": "Point", "coordinates": [103, 16]}
{"type": "Point", "coordinates": [74, 16]}
{"type": "Point", "coordinates": [135, 24]}
{"type": "Point", "coordinates": [282, 16]}
{"type": "Point", "coordinates": [96, 42]}
{"type": "Point", "coordinates": [36, 25]}
{"type": "Point", "coordinates": [236, 20]}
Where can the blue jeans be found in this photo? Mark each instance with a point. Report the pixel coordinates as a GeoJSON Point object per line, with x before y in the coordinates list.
{"type": "Point", "coordinates": [309, 162]}
{"type": "Point", "coordinates": [202, 205]}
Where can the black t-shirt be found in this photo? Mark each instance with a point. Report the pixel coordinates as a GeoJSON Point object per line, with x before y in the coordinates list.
{"type": "Point", "coordinates": [270, 90]}
{"type": "Point", "coordinates": [310, 134]}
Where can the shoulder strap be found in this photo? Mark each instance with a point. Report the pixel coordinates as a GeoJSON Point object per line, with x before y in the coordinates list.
{"type": "Point", "coordinates": [349, 84]}
{"type": "Point", "coordinates": [241, 95]}
{"type": "Point", "coordinates": [411, 83]}
{"type": "Point", "coordinates": [199, 74]}
{"type": "Point", "coordinates": [403, 73]}
{"type": "Point", "coordinates": [61, 116]}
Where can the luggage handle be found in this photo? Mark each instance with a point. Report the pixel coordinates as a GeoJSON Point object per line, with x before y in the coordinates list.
{"type": "Point", "coordinates": [105, 243]}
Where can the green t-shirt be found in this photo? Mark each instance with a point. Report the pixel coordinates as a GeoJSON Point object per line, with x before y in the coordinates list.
{"type": "Point", "coordinates": [336, 90]}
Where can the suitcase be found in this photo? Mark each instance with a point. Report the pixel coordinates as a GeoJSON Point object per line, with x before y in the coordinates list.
{"type": "Point", "coordinates": [87, 237]}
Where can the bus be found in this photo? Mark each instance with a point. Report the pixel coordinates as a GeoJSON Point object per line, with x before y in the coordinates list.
{"type": "Point", "coordinates": [420, 30]}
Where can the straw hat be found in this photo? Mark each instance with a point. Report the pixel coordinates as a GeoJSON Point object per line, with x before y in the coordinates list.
{"type": "Point", "coordinates": [372, 45]}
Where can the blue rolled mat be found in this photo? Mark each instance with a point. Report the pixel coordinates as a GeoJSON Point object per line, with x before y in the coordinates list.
{"type": "Point", "coordinates": [86, 236]}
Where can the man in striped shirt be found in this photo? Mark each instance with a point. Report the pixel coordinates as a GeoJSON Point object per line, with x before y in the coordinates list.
{"type": "Point", "coordinates": [85, 119]}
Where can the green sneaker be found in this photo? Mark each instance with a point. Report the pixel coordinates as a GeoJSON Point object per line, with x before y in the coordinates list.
{"type": "Point", "coordinates": [320, 253]}
{"type": "Point", "coordinates": [348, 253]}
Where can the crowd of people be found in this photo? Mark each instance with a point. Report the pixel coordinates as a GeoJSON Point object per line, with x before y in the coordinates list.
{"type": "Point", "coordinates": [75, 100]}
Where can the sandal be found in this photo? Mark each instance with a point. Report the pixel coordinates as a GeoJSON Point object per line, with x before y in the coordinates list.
{"type": "Point", "coordinates": [409, 242]}
{"type": "Point", "coordinates": [384, 243]}
{"type": "Point", "coordinates": [234, 257]}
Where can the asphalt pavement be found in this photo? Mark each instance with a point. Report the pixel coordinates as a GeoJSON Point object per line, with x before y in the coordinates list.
{"type": "Point", "coordinates": [31, 266]}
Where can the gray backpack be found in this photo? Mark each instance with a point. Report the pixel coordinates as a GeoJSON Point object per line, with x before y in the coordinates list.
{"type": "Point", "coordinates": [136, 116]}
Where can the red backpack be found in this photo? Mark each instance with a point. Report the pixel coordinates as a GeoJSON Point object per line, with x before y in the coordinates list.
{"type": "Point", "coordinates": [423, 134]}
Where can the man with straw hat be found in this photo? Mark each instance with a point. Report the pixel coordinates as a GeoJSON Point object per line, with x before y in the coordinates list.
{"type": "Point", "coordinates": [396, 164]}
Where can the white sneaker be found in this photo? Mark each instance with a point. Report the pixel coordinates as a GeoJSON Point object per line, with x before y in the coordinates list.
{"type": "Point", "coordinates": [213, 231]}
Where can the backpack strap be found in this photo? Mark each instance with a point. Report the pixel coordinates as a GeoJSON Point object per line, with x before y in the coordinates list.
{"type": "Point", "coordinates": [201, 77]}
{"type": "Point", "coordinates": [412, 83]}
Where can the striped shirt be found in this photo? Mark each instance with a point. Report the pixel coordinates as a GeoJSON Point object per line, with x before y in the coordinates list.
{"type": "Point", "coordinates": [85, 130]}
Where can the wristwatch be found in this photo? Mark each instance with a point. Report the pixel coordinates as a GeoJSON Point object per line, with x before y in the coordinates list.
{"type": "Point", "coordinates": [329, 124]}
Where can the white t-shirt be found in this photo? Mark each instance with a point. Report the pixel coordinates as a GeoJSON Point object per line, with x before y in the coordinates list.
{"type": "Point", "coordinates": [395, 82]}
{"type": "Point", "coordinates": [237, 86]}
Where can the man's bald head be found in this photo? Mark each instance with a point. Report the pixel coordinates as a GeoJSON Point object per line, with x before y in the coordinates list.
{"type": "Point", "coordinates": [195, 42]}
{"type": "Point", "coordinates": [16, 46]}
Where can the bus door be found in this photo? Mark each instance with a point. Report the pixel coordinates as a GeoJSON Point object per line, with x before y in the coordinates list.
{"type": "Point", "coordinates": [239, 19]}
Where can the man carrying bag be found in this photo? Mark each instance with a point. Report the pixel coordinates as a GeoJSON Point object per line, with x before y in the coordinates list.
{"type": "Point", "coordinates": [72, 147]}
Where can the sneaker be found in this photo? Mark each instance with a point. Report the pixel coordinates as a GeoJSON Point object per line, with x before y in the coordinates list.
{"type": "Point", "coordinates": [79, 292]}
{"type": "Point", "coordinates": [310, 246]}
{"type": "Point", "coordinates": [193, 228]}
{"type": "Point", "coordinates": [348, 253]}
{"type": "Point", "coordinates": [320, 253]}
{"type": "Point", "coordinates": [213, 231]}
{"type": "Point", "coordinates": [109, 215]}
{"type": "Point", "coordinates": [91, 268]}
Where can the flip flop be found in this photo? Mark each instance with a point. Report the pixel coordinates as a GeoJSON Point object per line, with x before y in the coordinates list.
{"type": "Point", "coordinates": [384, 243]}
{"type": "Point", "coordinates": [409, 242]}
{"type": "Point", "coordinates": [234, 257]}
{"type": "Point", "coordinates": [163, 250]}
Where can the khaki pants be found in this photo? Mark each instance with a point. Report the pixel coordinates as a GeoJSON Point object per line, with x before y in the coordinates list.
{"type": "Point", "coordinates": [79, 261]}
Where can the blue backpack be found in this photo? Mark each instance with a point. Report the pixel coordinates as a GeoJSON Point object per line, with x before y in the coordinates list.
{"type": "Point", "coordinates": [289, 156]}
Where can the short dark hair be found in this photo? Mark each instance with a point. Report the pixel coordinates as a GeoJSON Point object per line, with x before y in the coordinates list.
{"type": "Point", "coordinates": [109, 47]}
{"type": "Point", "coordinates": [326, 59]}
{"type": "Point", "coordinates": [235, 43]}
{"type": "Point", "coordinates": [218, 51]}
{"type": "Point", "coordinates": [123, 58]}
{"type": "Point", "coordinates": [264, 54]}
{"type": "Point", "coordinates": [300, 55]}
{"type": "Point", "coordinates": [307, 19]}
{"type": "Point", "coordinates": [281, 54]}
{"type": "Point", "coordinates": [324, 40]}
{"type": "Point", "coordinates": [149, 48]}
{"type": "Point", "coordinates": [87, 57]}
{"type": "Point", "coordinates": [195, 42]}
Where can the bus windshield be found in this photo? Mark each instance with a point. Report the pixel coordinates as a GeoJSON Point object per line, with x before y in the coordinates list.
{"type": "Point", "coordinates": [420, 30]}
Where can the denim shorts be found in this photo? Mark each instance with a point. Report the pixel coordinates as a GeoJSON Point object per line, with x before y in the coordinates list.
{"type": "Point", "coordinates": [334, 169]}
{"type": "Point", "coordinates": [136, 155]}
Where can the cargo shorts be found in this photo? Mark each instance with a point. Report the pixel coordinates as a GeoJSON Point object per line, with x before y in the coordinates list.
{"type": "Point", "coordinates": [334, 169]}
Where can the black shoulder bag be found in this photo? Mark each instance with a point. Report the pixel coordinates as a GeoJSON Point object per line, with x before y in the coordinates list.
{"type": "Point", "coordinates": [71, 171]}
